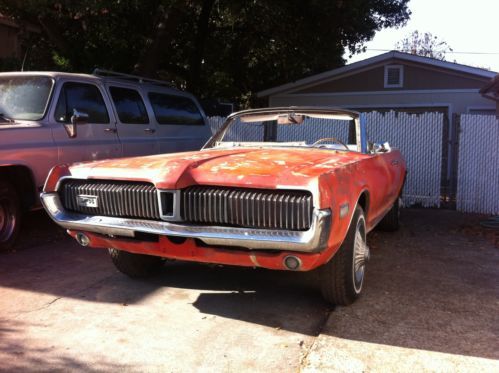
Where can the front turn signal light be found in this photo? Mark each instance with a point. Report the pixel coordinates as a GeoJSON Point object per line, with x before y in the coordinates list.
{"type": "Point", "coordinates": [55, 174]}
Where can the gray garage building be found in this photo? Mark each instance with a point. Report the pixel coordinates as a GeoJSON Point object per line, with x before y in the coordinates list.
{"type": "Point", "coordinates": [401, 82]}
{"type": "Point", "coordinates": [393, 80]}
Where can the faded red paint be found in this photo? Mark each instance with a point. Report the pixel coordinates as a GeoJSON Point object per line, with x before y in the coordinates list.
{"type": "Point", "coordinates": [257, 168]}
{"type": "Point", "coordinates": [334, 177]}
{"type": "Point", "coordinates": [190, 251]}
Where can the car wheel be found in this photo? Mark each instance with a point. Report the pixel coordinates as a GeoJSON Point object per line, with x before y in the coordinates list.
{"type": "Point", "coordinates": [390, 222]}
{"type": "Point", "coordinates": [135, 265]}
{"type": "Point", "coordinates": [10, 215]}
{"type": "Point", "coordinates": [343, 276]}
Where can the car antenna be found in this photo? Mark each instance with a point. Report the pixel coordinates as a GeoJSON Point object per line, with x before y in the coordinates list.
{"type": "Point", "coordinates": [24, 59]}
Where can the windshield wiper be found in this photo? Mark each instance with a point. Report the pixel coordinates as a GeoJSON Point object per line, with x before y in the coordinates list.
{"type": "Point", "coordinates": [6, 119]}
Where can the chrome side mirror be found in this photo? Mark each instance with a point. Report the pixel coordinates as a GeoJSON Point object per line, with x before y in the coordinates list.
{"type": "Point", "coordinates": [78, 117]}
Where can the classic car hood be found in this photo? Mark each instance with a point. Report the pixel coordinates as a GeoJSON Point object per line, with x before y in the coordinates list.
{"type": "Point", "coordinates": [249, 167]}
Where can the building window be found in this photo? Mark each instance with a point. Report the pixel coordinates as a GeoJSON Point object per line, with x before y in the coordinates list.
{"type": "Point", "coordinates": [394, 76]}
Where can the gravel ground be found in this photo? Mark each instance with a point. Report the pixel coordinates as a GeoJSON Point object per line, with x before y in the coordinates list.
{"type": "Point", "coordinates": [431, 302]}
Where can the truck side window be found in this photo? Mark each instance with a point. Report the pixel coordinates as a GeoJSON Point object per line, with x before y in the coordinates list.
{"type": "Point", "coordinates": [85, 98]}
{"type": "Point", "coordinates": [170, 109]}
{"type": "Point", "coordinates": [129, 105]}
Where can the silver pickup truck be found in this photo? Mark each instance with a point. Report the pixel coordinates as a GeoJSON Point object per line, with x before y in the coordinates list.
{"type": "Point", "coordinates": [48, 118]}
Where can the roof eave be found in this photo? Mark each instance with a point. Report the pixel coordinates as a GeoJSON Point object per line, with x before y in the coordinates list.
{"type": "Point", "coordinates": [373, 60]}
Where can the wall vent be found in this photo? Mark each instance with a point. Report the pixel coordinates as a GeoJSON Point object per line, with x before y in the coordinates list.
{"type": "Point", "coordinates": [394, 76]}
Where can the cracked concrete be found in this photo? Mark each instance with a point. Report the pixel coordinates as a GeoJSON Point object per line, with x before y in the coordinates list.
{"type": "Point", "coordinates": [431, 302]}
{"type": "Point", "coordinates": [39, 308]}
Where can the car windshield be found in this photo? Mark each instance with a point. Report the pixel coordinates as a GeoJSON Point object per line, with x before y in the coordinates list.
{"type": "Point", "coordinates": [289, 129]}
{"type": "Point", "coordinates": [24, 97]}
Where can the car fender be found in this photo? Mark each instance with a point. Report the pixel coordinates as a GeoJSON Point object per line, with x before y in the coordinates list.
{"type": "Point", "coordinates": [343, 202]}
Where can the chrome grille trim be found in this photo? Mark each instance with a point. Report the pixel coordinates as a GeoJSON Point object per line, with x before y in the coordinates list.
{"type": "Point", "coordinates": [251, 208]}
{"type": "Point", "coordinates": [313, 240]}
{"type": "Point", "coordinates": [114, 198]}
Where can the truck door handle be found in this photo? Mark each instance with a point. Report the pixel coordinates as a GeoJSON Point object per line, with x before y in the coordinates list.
{"type": "Point", "coordinates": [149, 130]}
{"type": "Point", "coordinates": [395, 162]}
{"type": "Point", "coordinates": [111, 130]}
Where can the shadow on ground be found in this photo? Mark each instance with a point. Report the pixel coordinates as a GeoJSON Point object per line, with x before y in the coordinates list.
{"type": "Point", "coordinates": [37, 359]}
{"type": "Point", "coordinates": [430, 286]}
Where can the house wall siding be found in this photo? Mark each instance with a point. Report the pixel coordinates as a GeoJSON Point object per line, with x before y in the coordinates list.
{"type": "Point", "coordinates": [420, 78]}
{"type": "Point", "coordinates": [416, 77]}
{"type": "Point", "coordinates": [371, 80]}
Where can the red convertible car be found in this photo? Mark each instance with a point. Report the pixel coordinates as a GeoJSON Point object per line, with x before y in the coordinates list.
{"type": "Point", "coordinates": [294, 188]}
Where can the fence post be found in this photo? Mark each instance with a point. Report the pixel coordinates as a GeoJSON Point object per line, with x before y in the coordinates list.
{"type": "Point", "coordinates": [454, 160]}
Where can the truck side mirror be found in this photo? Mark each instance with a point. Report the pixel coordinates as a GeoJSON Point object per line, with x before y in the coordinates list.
{"type": "Point", "coordinates": [78, 117]}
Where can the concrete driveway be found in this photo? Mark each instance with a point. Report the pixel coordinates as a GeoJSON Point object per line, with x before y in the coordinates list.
{"type": "Point", "coordinates": [431, 302]}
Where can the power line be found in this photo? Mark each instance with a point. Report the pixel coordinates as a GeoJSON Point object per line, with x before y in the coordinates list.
{"type": "Point", "coordinates": [447, 52]}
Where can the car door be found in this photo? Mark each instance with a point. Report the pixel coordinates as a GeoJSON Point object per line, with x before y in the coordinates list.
{"type": "Point", "coordinates": [383, 177]}
{"type": "Point", "coordinates": [136, 131]}
{"type": "Point", "coordinates": [95, 139]}
{"type": "Point", "coordinates": [394, 165]}
{"type": "Point", "coordinates": [181, 125]}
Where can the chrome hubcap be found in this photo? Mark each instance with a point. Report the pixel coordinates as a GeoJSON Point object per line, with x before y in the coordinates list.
{"type": "Point", "coordinates": [361, 255]}
{"type": "Point", "coordinates": [7, 220]}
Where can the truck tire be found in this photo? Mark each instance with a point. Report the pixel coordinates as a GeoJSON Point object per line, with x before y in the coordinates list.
{"type": "Point", "coordinates": [343, 276]}
{"type": "Point", "coordinates": [135, 265]}
{"type": "Point", "coordinates": [10, 215]}
{"type": "Point", "coordinates": [390, 222]}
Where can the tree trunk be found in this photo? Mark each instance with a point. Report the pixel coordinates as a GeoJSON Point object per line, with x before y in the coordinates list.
{"type": "Point", "coordinates": [197, 55]}
{"type": "Point", "coordinates": [165, 25]}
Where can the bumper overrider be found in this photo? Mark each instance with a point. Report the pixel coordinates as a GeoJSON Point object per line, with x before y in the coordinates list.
{"type": "Point", "coordinates": [313, 240]}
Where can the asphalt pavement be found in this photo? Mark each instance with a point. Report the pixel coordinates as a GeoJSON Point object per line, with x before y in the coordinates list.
{"type": "Point", "coordinates": [431, 302]}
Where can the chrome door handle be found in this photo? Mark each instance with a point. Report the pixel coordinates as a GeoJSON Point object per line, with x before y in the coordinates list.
{"type": "Point", "coordinates": [111, 130]}
{"type": "Point", "coordinates": [395, 162]}
{"type": "Point", "coordinates": [149, 130]}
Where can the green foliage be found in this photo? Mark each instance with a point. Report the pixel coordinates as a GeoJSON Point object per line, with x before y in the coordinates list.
{"type": "Point", "coordinates": [424, 44]}
{"type": "Point", "coordinates": [61, 63]}
{"type": "Point", "coordinates": [215, 48]}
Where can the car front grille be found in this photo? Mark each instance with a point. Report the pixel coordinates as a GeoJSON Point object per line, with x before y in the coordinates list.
{"type": "Point", "coordinates": [111, 198]}
{"type": "Point", "coordinates": [252, 208]}
{"type": "Point", "coordinates": [222, 206]}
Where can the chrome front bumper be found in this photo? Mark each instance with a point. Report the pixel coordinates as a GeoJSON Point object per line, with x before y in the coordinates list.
{"type": "Point", "coordinates": [312, 240]}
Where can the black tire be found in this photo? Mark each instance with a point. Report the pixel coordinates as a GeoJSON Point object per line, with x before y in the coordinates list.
{"type": "Point", "coordinates": [339, 283]}
{"type": "Point", "coordinates": [135, 265]}
{"type": "Point", "coordinates": [10, 215]}
{"type": "Point", "coordinates": [390, 222]}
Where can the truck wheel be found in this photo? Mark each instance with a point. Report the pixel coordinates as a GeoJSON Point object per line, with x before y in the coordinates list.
{"type": "Point", "coordinates": [390, 222]}
{"type": "Point", "coordinates": [135, 265]}
{"type": "Point", "coordinates": [343, 276]}
{"type": "Point", "coordinates": [10, 215]}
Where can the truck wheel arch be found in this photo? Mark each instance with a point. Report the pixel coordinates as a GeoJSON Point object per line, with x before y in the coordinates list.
{"type": "Point", "coordinates": [22, 178]}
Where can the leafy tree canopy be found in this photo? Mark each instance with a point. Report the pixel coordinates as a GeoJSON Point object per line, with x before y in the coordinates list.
{"type": "Point", "coordinates": [215, 48]}
{"type": "Point", "coordinates": [424, 44]}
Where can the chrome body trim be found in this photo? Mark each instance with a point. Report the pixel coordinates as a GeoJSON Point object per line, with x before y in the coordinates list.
{"type": "Point", "coordinates": [175, 216]}
{"type": "Point", "coordinates": [312, 240]}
